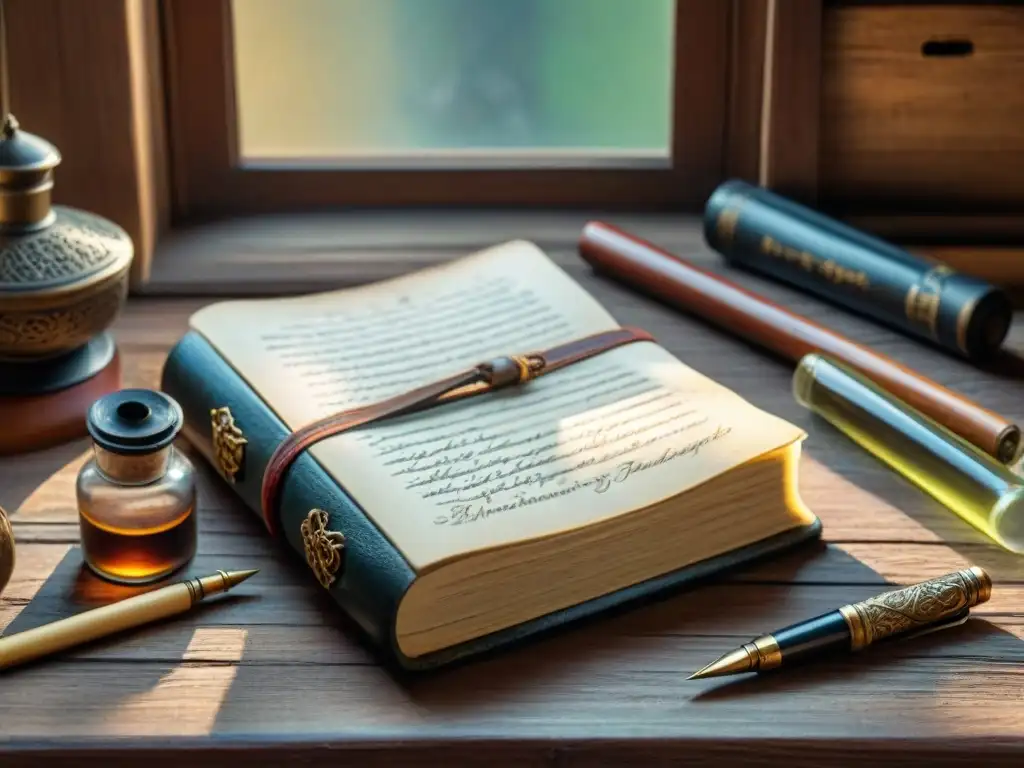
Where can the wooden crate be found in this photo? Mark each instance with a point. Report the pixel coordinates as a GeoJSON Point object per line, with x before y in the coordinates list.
{"type": "Point", "coordinates": [922, 108]}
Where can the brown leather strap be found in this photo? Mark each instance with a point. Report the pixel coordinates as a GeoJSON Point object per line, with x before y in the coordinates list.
{"type": "Point", "coordinates": [486, 377]}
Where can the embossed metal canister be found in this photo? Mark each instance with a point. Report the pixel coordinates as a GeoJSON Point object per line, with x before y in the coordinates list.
{"type": "Point", "coordinates": [63, 272]}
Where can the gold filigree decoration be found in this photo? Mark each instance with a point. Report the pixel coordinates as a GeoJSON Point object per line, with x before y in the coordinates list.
{"type": "Point", "coordinates": [922, 300]}
{"type": "Point", "coordinates": [725, 225]}
{"type": "Point", "coordinates": [228, 443]}
{"type": "Point", "coordinates": [915, 607]}
{"type": "Point", "coordinates": [78, 245]}
{"type": "Point", "coordinates": [61, 285]}
{"type": "Point", "coordinates": [323, 547]}
{"type": "Point", "coordinates": [49, 331]}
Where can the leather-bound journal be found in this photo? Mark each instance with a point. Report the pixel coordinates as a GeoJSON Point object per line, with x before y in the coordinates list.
{"type": "Point", "coordinates": [475, 453]}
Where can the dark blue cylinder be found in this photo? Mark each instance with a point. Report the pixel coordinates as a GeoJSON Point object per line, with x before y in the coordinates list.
{"type": "Point", "coordinates": [778, 237]}
{"type": "Point", "coordinates": [815, 637]}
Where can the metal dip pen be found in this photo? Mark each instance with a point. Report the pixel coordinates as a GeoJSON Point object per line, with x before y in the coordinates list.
{"type": "Point", "coordinates": [970, 482]}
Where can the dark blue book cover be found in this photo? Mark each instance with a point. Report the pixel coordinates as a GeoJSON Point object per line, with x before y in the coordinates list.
{"type": "Point", "coordinates": [455, 532]}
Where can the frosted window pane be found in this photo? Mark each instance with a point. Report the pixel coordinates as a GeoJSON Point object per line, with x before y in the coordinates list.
{"type": "Point", "coordinates": [401, 80]}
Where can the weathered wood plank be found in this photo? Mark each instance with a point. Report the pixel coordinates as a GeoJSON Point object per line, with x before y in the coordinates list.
{"type": "Point", "coordinates": [276, 659]}
{"type": "Point", "coordinates": [636, 691]}
{"type": "Point", "coordinates": [50, 583]}
{"type": "Point", "coordinates": [480, 752]}
{"type": "Point", "coordinates": [869, 564]}
{"type": "Point", "coordinates": [269, 627]}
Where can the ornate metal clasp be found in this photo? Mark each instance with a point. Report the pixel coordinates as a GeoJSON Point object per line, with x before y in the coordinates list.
{"type": "Point", "coordinates": [516, 369]}
{"type": "Point", "coordinates": [323, 547]}
{"type": "Point", "coordinates": [228, 443]}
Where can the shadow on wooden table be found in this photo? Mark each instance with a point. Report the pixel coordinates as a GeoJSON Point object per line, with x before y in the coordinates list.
{"type": "Point", "coordinates": [899, 505]}
{"type": "Point", "coordinates": [664, 641]}
{"type": "Point", "coordinates": [617, 665]}
{"type": "Point", "coordinates": [1007, 364]}
{"type": "Point", "coordinates": [84, 674]}
{"type": "Point", "coordinates": [33, 473]}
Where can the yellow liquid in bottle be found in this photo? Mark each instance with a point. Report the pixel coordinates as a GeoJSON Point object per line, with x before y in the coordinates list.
{"type": "Point", "coordinates": [958, 474]}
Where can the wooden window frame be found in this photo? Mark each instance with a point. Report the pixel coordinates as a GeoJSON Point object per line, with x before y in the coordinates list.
{"type": "Point", "coordinates": [211, 180]}
{"type": "Point", "coordinates": [791, 98]}
{"type": "Point", "coordinates": [88, 77]}
{"type": "Point", "coordinates": [92, 77]}
{"type": "Point", "coordinates": [104, 85]}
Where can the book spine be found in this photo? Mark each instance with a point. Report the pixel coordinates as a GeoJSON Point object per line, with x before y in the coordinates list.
{"type": "Point", "coordinates": [765, 232]}
{"type": "Point", "coordinates": [373, 575]}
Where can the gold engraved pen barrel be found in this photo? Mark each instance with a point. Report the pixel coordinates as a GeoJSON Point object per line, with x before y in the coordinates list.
{"type": "Point", "coordinates": [126, 614]}
{"type": "Point", "coordinates": [919, 608]}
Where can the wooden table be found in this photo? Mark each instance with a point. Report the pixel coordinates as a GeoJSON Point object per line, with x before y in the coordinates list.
{"type": "Point", "coordinates": [277, 668]}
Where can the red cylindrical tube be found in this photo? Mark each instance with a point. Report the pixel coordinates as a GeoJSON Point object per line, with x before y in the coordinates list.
{"type": "Point", "coordinates": [657, 272]}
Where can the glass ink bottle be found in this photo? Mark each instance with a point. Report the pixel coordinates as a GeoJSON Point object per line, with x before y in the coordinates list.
{"type": "Point", "coordinates": [136, 495]}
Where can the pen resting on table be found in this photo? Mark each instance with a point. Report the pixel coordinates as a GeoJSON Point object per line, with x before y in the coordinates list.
{"type": "Point", "coordinates": [916, 609]}
{"type": "Point", "coordinates": [148, 607]}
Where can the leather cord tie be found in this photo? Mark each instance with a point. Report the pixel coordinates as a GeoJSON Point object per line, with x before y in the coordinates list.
{"type": "Point", "coordinates": [486, 377]}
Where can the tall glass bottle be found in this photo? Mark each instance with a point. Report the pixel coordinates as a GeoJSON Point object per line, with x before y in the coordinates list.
{"type": "Point", "coordinates": [982, 491]}
{"type": "Point", "coordinates": [136, 495]}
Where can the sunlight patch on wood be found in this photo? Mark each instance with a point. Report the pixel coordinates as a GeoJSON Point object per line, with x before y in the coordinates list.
{"type": "Point", "coordinates": [1017, 630]}
{"type": "Point", "coordinates": [849, 512]}
{"type": "Point", "coordinates": [910, 569]}
{"type": "Point", "coordinates": [54, 497]}
{"type": "Point", "coordinates": [32, 567]}
{"type": "Point", "coordinates": [193, 693]}
{"type": "Point", "coordinates": [185, 702]}
{"type": "Point", "coordinates": [217, 644]}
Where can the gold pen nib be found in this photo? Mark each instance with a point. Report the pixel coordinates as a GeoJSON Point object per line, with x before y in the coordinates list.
{"type": "Point", "coordinates": [216, 583]}
{"type": "Point", "coordinates": [732, 663]}
{"type": "Point", "coordinates": [234, 578]}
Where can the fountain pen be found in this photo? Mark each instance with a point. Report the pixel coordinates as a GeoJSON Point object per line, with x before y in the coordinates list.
{"type": "Point", "coordinates": [914, 610]}
{"type": "Point", "coordinates": [90, 625]}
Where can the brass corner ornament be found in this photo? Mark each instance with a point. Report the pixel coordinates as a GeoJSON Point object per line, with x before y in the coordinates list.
{"type": "Point", "coordinates": [323, 547]}
{"type": "Point", "coordinates": [228, 443]}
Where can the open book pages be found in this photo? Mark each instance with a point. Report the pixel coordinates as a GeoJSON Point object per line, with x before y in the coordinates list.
{"type": "Point", "coordinates": [599, 440]}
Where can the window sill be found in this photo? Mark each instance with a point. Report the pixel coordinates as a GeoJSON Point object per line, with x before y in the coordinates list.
{"type": "Point", "coordinates": [300, 253]}
{"type": "Point", "coordinates": [317, 251]}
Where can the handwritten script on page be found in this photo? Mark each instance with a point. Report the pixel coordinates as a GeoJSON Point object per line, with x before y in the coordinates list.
{"type": "Point", "coordinates": [581, 435]}
{"type": "Point", "coordinates": [615, 433]}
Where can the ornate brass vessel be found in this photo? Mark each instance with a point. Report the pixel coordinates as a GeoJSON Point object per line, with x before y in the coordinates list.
{"type": "Point", "coordinates": [6, 550]}
{"type": "Point", "coordinates": [63, 272]}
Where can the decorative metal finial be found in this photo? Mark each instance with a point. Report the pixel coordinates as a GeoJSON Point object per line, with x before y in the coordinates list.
{"type": "Point", "coordinates": [10, 126]}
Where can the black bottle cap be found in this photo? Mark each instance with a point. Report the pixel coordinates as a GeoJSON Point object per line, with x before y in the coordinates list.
{"type": "Point", "coordinates": [134, 421]}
